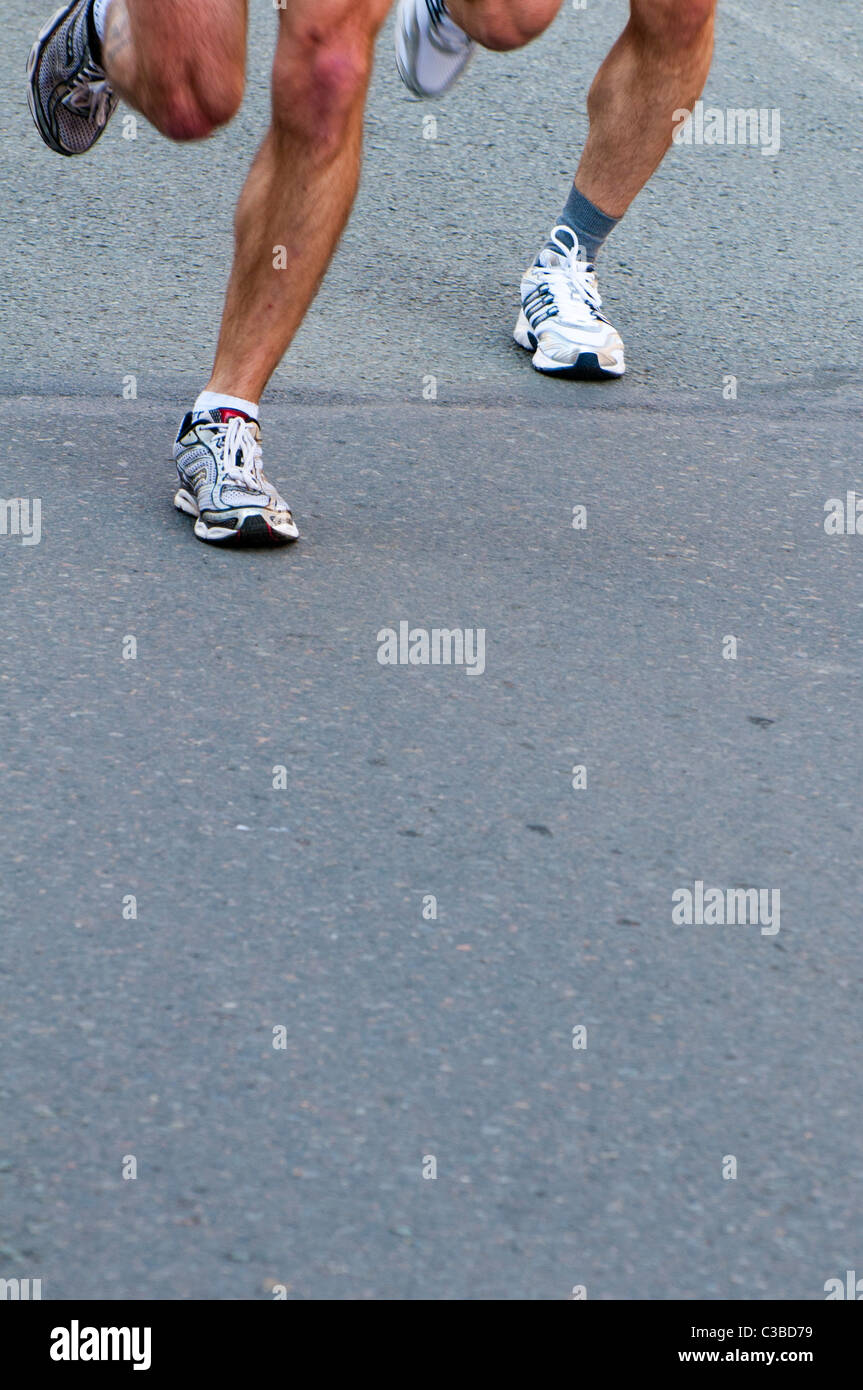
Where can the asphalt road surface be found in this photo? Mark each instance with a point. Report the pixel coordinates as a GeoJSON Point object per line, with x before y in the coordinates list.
{"type": "Point", "coordinates": [283, 1035]}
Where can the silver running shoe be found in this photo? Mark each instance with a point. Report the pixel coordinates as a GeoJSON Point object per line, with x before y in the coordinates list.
{"type": "Point", "coordinates": [71, 99]}
{"type": "Point", "coordinates": [222, 485]}
{"type": "Point", "coordinates": [561, 320]}
{"type": "Point", "coordinates": [431, 49]}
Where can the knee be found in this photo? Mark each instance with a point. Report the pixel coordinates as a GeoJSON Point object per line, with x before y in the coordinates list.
{"type": "Point", "coordinates": [674, 24]}
{"type": "Point", "coordinates": [318, 81]}
{"type": "Point", "coordinates": [193, 112]}
{"type": "Point", "coordinates": [497, 28]}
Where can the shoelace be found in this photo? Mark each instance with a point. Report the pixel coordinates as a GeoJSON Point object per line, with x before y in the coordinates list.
{"type": "Point", "coordinates": [241, 455]}
{"type": "Point", "coordinates": [90, 94]}
{"type": "Point", "coordinates": [579, 275]}
{"type": "Point", "coordinates": [573, 279]}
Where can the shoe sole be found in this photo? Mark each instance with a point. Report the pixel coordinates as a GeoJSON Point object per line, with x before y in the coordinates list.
{"type": "Point", "coordinates": [44, 35]}
{"type": "Point", "coordinates": [253, 530]}
{"type": "Point", "coordinates": [586, 367]}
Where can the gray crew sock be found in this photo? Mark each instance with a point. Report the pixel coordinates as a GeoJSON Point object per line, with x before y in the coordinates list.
{"type": "Point", "coordinates": [589, 224]}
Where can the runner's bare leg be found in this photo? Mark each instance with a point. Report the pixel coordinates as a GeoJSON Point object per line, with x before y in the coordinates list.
{"type": "Point", "coordinates": [168, 60]}
{"type": "Point", "coordinates": [302, 185]}
{"type": "Point", "coordinates": [658, 65]}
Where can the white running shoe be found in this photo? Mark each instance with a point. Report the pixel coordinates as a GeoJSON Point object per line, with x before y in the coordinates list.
{"type": "Point", "coordinates": [222, 485]}
{"type": "Point", "coordinates": [431, 50]}
{"type": "Point", "coordinates": [560, 320]}
{"type": "Point", "coordinates": [71, 99]}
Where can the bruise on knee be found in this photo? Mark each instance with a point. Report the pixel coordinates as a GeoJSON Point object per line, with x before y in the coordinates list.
{"type": "Point", "coordinates": [318, 80]}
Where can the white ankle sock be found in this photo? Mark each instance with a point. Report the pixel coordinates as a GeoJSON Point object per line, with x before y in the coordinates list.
{"type": "Point", "coordinates": [214, 400]}
{"type": "Point", "coordinates": [100, 16]}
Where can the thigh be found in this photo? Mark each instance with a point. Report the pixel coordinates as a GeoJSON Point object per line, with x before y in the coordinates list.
{"type": "Point", "coordinates": [187, 40]}
{"type": "Point", "coordinates": [533, 15]}
{"type": "Point", "coordinates": [507, 24]}
{"type": "Point", "coordinates": [319, 21]}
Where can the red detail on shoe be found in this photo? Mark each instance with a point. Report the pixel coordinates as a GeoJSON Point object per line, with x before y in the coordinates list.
{"type": "Point", "coordinates": [225, 412]}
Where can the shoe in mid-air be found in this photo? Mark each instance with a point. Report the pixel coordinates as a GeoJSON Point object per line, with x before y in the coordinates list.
{"type": "Point", "coordinates": [221, 482]}
{"type": "Point", "coordinates": [71, 99]}
{"type": "Point", "coordinates": [561, 320]}
{"type": "Point", "coordinates": [431, 50]}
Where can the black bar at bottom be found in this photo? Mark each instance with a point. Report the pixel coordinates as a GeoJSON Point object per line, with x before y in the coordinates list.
{"type": "Point", "coordinates": [162, 1340]}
